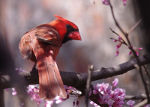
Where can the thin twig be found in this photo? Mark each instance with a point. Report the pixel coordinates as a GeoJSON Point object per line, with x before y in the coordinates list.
{"type": "Point", "coordinates": [115, 20]}
{"type": "Point", "coordinates": [137, 97]}
{"type": "Point", "coordinates": [147, 72]}
{"type": "Point", "coordinates": [123, 41]}
{"type": "Point", "coordinates": [114, 31]}
{"type": "Point", "coordinates": [141, 104]}
{"type": "Point", "coordinates": [144, 82]}
{"type": "Point", "coordinates": [134, 26]}
{"type": "Point", "coordinates": [88, 84]}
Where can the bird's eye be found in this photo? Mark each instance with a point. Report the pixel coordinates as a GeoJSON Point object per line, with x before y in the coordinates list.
{"type": "Point", "coordinates": [69, 28]}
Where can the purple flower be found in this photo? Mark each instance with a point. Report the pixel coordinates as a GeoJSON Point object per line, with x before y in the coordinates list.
{"type": "Point", "coordinates": [106, 2]}
{"type": "Point", "coordinates": [94, 104]}
{"type": "Point", "coordinates": [14, 92]}
{"type": "Point", "coordinates": [33, 91]}
{"type": "Point", "coordinates": [72, 90]}
{"type": "Point", "coordinates": [108, 95]}
{"type": "Point", "coordinates": [118, 45]}
{"type": "Point", "coordinates": [137, 51]}
{"type": "Point", "coordinates": [124, 2]}
{"type": "Point", "coordinates": [119, 38]}
{"type": "Point", "coordinates": [131, 103]}
{"type": "Point", "coordinates": [58, 100]}
{"type": "Point", "coordinates": [119, 42]}
{"type": "Point", "coordinates": [140, 48]}
{"type": "Point", "coordinates": [117, 52]}
{"type": "Point", "coordinates": [115, 82]}
{"type": "Point", "coordinates": [95, 92]}
{"type": "Point", "coordinates": [114, 40]}
{"type": "Point", "coordinates": [20, 70]}
{"type": "Point", "coordinates": [129, 53]}
{"type": "Point", "coordinates": [49, 103]}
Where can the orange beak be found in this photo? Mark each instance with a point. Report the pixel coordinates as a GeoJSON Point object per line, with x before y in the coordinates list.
{"type": "Point", "coordinates": [75, 35]}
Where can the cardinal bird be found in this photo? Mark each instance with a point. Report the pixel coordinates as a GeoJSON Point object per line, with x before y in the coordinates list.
{"type": "Point", "coordinates": [41, 45]}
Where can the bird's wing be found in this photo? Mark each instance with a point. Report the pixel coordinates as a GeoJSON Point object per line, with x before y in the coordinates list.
{"type": "Point", "coordinates": [47, 34]}
{"type": "Point", "coordinates": [25, 46]}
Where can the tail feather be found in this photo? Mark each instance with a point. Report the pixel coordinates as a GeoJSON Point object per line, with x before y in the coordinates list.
{"type": "Point", "coordinates": [50, 81]}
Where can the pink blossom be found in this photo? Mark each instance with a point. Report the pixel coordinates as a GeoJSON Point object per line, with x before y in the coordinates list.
{"type": "Point", "coordinates": [115, 82]}
{"type": "Point", "coordinates": [137, 51]}
{"type": "Point", "coordinates": [117, 52]}
{"type": "Point", "coordinates": [72, 90]}
{"type": "Point", "coordinates": [108, 95]}
{"type": "Point", "coordinates": [140, 48]}
{"type": "Point", "coordinates": [131, 103]}
{"type": "Point", "coordinates": [95, 105]}
{"type": "Point", "coordinates": [14, 92]}
{"type": "Point", "coordinates": [119, 41]}
{"type": "Point", "coordinates": [49, 103]}
{"type": "Point", "coordinates": [33, 91]}
{"type": "Point", "coordinates": [118, 45]}
{"type": "Point", "coordinates": [129, 53]}
{"type": "Point", "coordinates": [95, 92]}
{"type": "Point", "coordinates": [58, 100]}
{"type": "Point", "coordinates": [119, 38]}
{"type": "Point", "coordinates": [124, 2]}
{"type": "Point", "coordinates": [114, 40]}
{"type": "Point", "coordinates": [20, 70]}
{"type": "Point", "coordinates": [106, 2]}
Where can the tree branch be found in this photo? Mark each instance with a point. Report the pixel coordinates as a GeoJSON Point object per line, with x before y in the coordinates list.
{"type": "Point", "coordinates": [78, 80]}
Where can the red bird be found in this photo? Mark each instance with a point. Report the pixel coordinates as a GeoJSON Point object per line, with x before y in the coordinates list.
{"type": "Point", "coordinates": [41, 45]}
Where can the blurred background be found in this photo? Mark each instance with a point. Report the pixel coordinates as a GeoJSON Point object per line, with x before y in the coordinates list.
{"type": "Point", "coordinates": [94, 21]}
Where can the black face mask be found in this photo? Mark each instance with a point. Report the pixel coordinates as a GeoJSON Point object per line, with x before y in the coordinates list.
{"type": "Point", "coordinates": [69, 30]}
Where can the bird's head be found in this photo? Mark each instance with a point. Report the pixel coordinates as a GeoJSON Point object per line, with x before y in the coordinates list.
{"type": "Point", "coordinates": [67, 29]}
